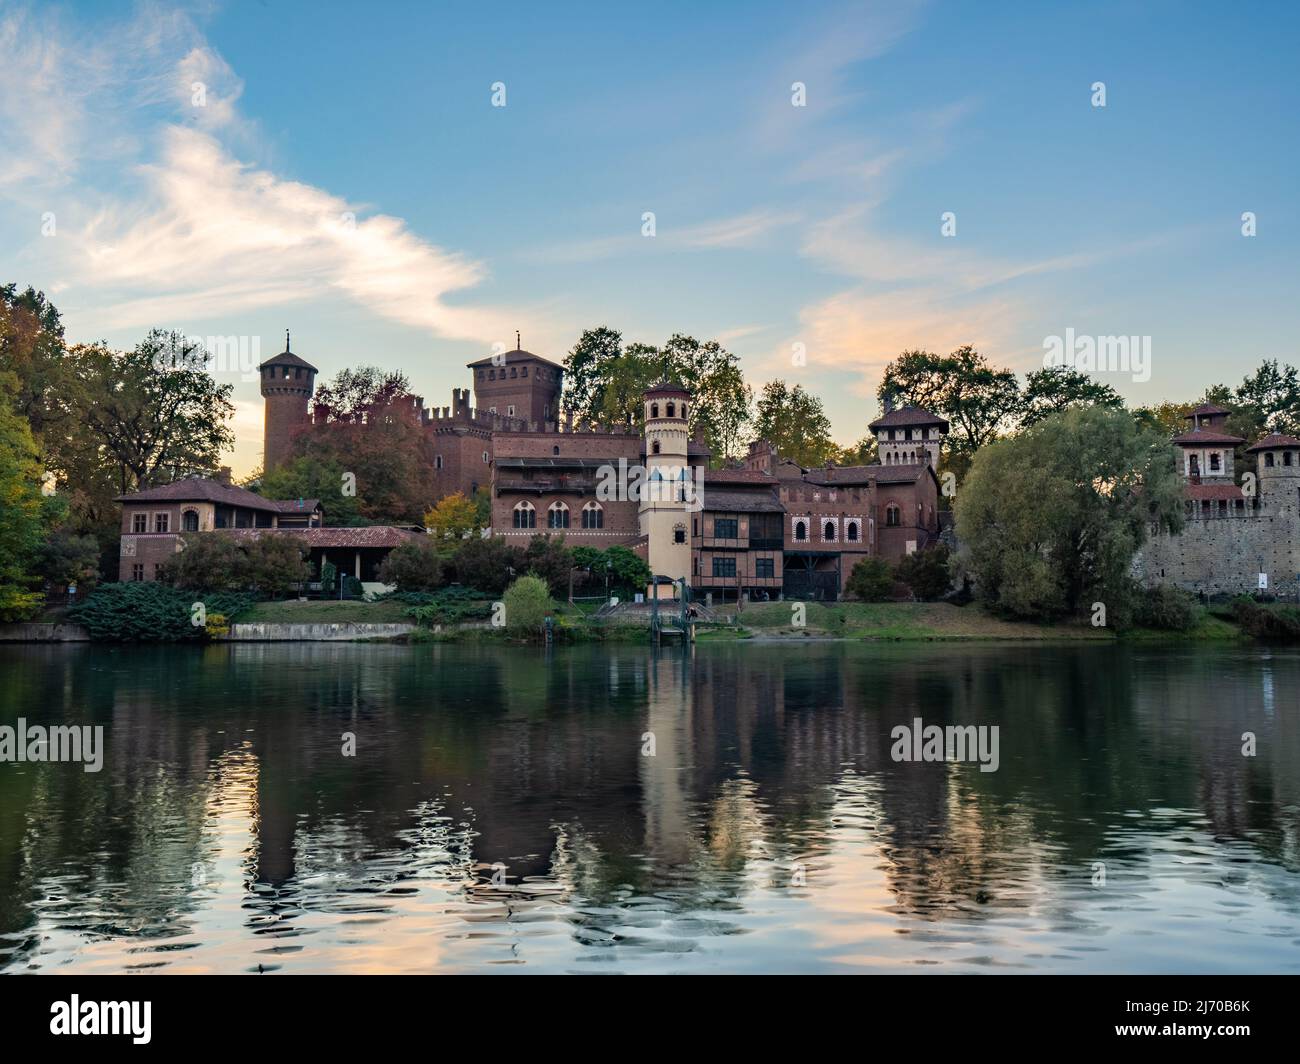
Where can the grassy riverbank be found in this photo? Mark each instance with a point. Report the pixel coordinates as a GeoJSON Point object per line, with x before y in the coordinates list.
{"type": "Point", "coordinates": [902, 621]}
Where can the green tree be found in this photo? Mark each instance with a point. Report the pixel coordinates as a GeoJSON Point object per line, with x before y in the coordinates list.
{"type": "Point", "coordinates": [1051, 390]}
{"type": "Point", "coordinates": [414, 566]}
{"type": "Point", "coordinates": [487, 565]}
{"type": "Point", "coordinates": [23, 514]}
{"type": "Point", "coordinates": [549, 558]}
{"type": "Point", "coordinates": [277, 565]}
{"type": "Point", "coordinates": [978, 400]}
{"type": "Point", "coordinates": [1272, 395]}
{"type": "Point", "coordinates": [625, 571]}
{"type": "Point", "coordinates": [315, 478]}
{"type": "Point", "coordinates": [795, 422]}
{"type": "Point", "coordinates": [1050, 520]}
{"type": "Point", "coordinates": [527, 602]}
{"type": "Point", "coordinates": [207, 561]}
{"type": "Point", "coordinates": [871, 580]}
{"type": "Point", "coordinates": [68, 558]}
{"type": "Point", "coordinates": [353, 393]}
{"type": "Point", "coordinates": [926, 572]}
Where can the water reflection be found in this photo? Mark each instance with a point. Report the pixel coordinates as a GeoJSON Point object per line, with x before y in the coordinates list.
{"type": "Point", "coordinates": [504, 810]}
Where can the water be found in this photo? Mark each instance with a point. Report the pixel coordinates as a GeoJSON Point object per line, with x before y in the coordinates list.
{"type": "Point", "coordinates": [500, 813]}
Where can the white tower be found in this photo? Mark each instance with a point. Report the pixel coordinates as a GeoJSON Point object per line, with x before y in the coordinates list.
{"type": "Point", "coordinates": [665, 519]}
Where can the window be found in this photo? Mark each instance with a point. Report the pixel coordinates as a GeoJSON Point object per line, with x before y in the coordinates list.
{"type": "Point", "coordinates": [654, 409]}
{"type": "Point", "coordinates": [828, 531]}
{"type": "Point", "coordinates": [683, 410]}
{"type": "Point", "coordinates": [137, 572]}
{"type": "Point", "coordinates": [139, 522]}
{"type": "Point", "coordinates": [892, 516]}
{"type": "Point", "coordinates": [726, 528]}
{"type": "Point", "coordinates": [672, 410]}
{"type": "Point", "coordinates": [764, 568]}
{"type": "Point", "coordinates": [525, 515]}
{"type": "Point", "coordinates": [485, 458]}
{"type": "Point", "coordinates": [555, 450]}
{"type": "Point", "coordinates": [679, 534]}
{"type": "Point", "coordinates": [1286, 457]}
{"type": "Point", "coordinates": [437, 461]}
{"type": "Point", "coordinates": [593, 516]}
{"type": "Point", "coordinates": [851, 531]}
{"type": "Point", "coordinates": [800, 530]}
{"type": "Point", "coordinates": [190, 521]}
{"type": "Point", "coordinates": [524, 372]}
{"type": "Point", "coordinates": [557, 516]}
{"type": "Point", "coordinates": [514, 371]}
{"type": "Point", "coordinates": [161, 522]}
{"type": "Point", "coordinates": [492, 374]}
{"type": "Point", "coordinates": [510, 410]}
{"type": "Point", "coordinates": [1214, 462]}
{"type": "Point", "coordinates": [1268, 460]}
{"type": "Point", "coordinates": [724, 566]}
{"type": "Point", "coordinates": [654, 449]}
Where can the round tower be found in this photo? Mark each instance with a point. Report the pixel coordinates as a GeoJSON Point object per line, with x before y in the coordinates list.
{"type": "Point", "coordinates": [1277, 464]}
{"type": "Point", "coordinates": [668, 492]}
{"type": "Point", "coordinates": [287, 382]}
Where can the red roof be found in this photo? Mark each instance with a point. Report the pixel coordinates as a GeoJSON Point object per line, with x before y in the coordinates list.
{"type": "Point", "coordinates": [738, 476]}
{"type": "Point", "coordinates": [1206, 409]}
{"type": "Point", "coordinates": [1273, 442]}
{"type": "Point", "coordinates": [1212, 491]}
{"type": "Point", "coordinates": [1199, 436]}
{"type": "Point", "coordinates": [907, 415]}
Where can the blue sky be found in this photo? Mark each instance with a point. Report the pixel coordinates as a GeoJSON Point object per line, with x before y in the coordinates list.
{"type": "Point", "coordinates": [775, 225]}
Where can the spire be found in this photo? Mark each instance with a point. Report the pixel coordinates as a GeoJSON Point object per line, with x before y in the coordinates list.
{"type": "Point", "coordinates": [286, 341]}
{"type": "Point", "coordinates": [517, 341]}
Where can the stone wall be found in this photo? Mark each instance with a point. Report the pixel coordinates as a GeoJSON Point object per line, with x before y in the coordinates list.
{"type": "Point", "coordinates": [1222, 556]}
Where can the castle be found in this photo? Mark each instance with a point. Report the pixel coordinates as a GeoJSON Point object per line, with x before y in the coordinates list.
{"type": "Point", "coordinates": [1237, 539]}
{"type": "Point", "coordinates": [767, 529]}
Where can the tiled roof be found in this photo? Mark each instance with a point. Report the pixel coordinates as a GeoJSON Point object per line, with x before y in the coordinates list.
{"type": "Point", "coordinates": [296, 506]}
{"type": "Point", "coordinates": [1212, 491]}
{"type": "Point", "coordinates": [738, 476]}
{"type": "Point", "coordinates": [1274, 441]}
{"type": "Point", "coordinates": [907, 415]}
{"type": "Point", "coordinates": [854, 476]}
{"type": "Point", "coordinates": [1206, 409]}
{"type": "Point", "coordinates": [1199, 436]}
{"type": "Point", "coordinates": [287, 358]}
{"type": "Point", "coordinates": [203, 489]}
{"type": "Point", "coordinates": [511, 358]}
{"type": "Point", "coordinates": [760, 501]}
{"type": "Point", "coordinates": [367, 536]}
{"type": "Point", "coordinates": [667, 388]}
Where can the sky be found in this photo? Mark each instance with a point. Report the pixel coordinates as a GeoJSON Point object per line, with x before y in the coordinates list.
{"type": "Point", "coordinates": [345, 172]}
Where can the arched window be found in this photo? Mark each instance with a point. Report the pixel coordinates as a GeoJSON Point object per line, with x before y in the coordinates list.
{"type": "Point", "coordinates": [851, 531]}
{"type": "Point", "coordinates": [524, 372]}
{"type": "Point", "coordinates": [892, 516]}
{"type": "Point", "coordinates": [672, 410]}
{"type": "Point", "coordinates": [525, 515]}
{"type": "Point", "coordinates": [654, 409]}
{"type": "Point", "coordinates": [654, 449]}
{"type": "Point", "coordinates": [555, 449]}
{"type": "Point", "coordinates": [514, 371]}
{"type": "Point", "coordinates": [557, 516]}
{"type": "Point", "coordinates": [593, 516]}
{"type": "Point", "coordinates": [190, 521]}
{"type": "Point", "coordinates": [1268, 460]}
{"type": "Point", "coordinates": [437, 461]}
{"type": "Point", "coordinates": [492, 374]}
{"type": "Point", "coordinates": [828, 531]}
{"type": "Point", "coordinates": [800, 531]}
{"type": "Point", "coordinates": [683, 409]}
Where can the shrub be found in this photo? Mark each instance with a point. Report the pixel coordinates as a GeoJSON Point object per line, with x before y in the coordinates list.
{"type": "Point", "coordinates": [207, 561]}
{"type": "Point", "coordinates": [1279, 624]}
{"type": "Point", "coordinates": [448, 606]}
{"type": "Point", "coordinates": [153, 612]}
{"type": "Point", "coordinates": [276, 565]}
{"type": "Point", "coordinates": [527, 603]}
{"type": "Point", "coordinates": [551, 560]}
{"type": "Point", "coordinates": [926, 572]}
{"type": "Point", "coordinates": [871, 580]}
{"type": "Point", "coordinates": [1166, 607]}
{"type": "Point", "coordinates": [414, 566]}
{"type": "Point", "coordinates": [628, 572]}
{"type": "Point", "coordinates": [485, 564]}
{"type": "Point", "coordinates": [67, 558]}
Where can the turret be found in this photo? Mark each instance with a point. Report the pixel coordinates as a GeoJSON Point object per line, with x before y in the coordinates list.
{"type": "Point", "coordinates": [669, 488]}
{"type": "Point", "coordinates": [908, 435]}
{"type": "Point", "coordinates": [287, 383]}
{"type": "Point", "coordinates": [1277, 463]}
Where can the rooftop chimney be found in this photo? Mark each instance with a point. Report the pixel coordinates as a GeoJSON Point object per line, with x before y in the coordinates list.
{"type": "Point", "coordinates": [223, 476]}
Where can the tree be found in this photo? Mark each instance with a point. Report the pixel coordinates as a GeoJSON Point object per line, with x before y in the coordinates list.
{"type": "Point", "coordinates": [625, 571]}
{"type": "Point", "coordinates": [207, 561]}
{"type": "Point", "coordinates": [32, 350]}
{"type": "Point", "coordinates": [1051, 390]}
{"type": "Point", "coordinates": [353, 393]}
{"type": "Point", "coordinates": [277, 564]}
{"type": "Point", "coordinates": [926, 572]}
{"type": "Point", "coordinates": [414, 566]}
{"type": "Point", "coordinates": [315, 478]}
{"type": "Point", "coordinates": [794, 421]}
{"type": "Point", "coordinates": [455, 517]}
{"type": "Point", "coordinates": [978, 400]}
{"type": "Point", "coordinates": [68, 558]}
{"type": "Point", "coordinates": [527, 602]}
{"type": "Point", "coordinates": [871, 580]}
{"type": "Point", "coordinates": [1169, 419]}
{"type": "Point", "coordinates": [1272, 395]}
{"type": "Point", "coordinates": [1050, 520]}
{"type": "Point", "coordinates": [864, 452]}
{"type": "Point", "coordinates": [550, 559]}
{"type": "Point", "coordinates": [23, 514]}
{"type": "Point", "coordinates": [587, 368]}
{"type": "Point", "coordinates": [487, 565]}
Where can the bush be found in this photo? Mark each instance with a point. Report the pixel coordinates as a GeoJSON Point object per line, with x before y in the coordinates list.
{"type": "Point", "coordinates": [414, 566]}
{"type": "Point", "coordinates": [871, 580]}
{"type": "Point", "coordinates": [207, 561]}
{"type": "Point", "coordinates": [926, 572]}
{"type": "Point", "coordinates": [551, 560]}
{"type": "Point", "coordinates": [153, 613]}
{"type": "Point", "coordinates": [628, 572]}
{"type": "Point", "coordinates": [276, 565]}
{"type": "Point", "coordinates": [448, 606]}
{"type": "Point", "coordinates": [485, 564]}
{"type": "Point", "coordinates": [1166, 607]}
{"type": "Point", "coordinates": [67, 558]}
{"type": "Point", "coordinates": [1277, 625]}
{"type": "Point", "coordinates": [527, 603]}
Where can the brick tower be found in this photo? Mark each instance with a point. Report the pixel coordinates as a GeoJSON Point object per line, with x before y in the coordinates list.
{"type": "Point", "coordinates": [287, 383]}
